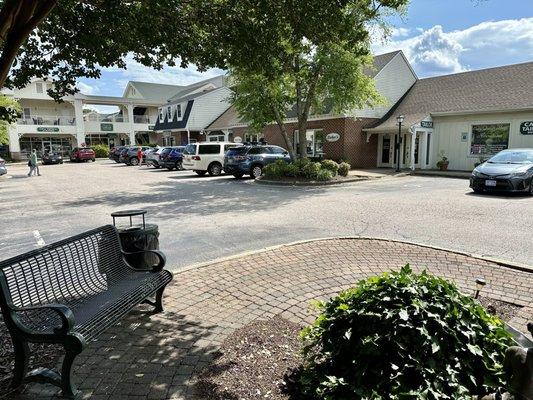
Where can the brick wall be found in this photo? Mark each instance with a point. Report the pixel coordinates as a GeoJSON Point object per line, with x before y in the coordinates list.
{"type": "Point", "coordinates": [352, 146]}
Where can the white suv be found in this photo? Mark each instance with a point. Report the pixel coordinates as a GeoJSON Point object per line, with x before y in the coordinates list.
{"type": "Point", "coordinates": [206, 157]}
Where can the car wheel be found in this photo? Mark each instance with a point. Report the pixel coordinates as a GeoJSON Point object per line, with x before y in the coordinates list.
{"type": "Point", "coordinates": [117, 161]}
{"type": "Point", "coordinates": [200, 173]}
{"type": "Point", "coordinates": [134, 161]}
{"type": "Point", "coordinates": [157, 166]}
{"type": "Point", "coordinates": [94, 160]}
{"type": "Point", "coordinates": [531, 187]}
{"type": "Point", "coordinates": [179, 166]}
{"type": "Point", "coordinates": [214, 169]}
{"type": "Point", "coordinates": [170, 168]}
{"type": "Point", "coordinates": [257, 171]}
{"type": "Point", "coordinates": [238, 176]}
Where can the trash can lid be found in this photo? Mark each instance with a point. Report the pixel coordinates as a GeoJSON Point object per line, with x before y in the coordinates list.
{"type": "Point", "coordinates": [128, 213]}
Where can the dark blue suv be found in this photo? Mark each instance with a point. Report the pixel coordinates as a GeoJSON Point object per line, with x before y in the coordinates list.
{"type": "Point", "coordinates": [172, 159]}
{"type": "Point", "coordinates": [250, 160]}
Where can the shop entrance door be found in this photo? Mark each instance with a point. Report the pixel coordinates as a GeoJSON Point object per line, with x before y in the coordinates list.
{"type": "Point", "coordinates": [47, 147]}
{"type": "Point", "coordinates": [385, 150]}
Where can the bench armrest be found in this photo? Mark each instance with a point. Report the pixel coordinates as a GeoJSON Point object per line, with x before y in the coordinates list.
{"type": "Point", "coordinates": [65, 313]}
{"type": "Point", "coordinates": [156, 268]}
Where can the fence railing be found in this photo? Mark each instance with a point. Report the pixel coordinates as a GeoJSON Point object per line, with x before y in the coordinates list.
{"type": "Point", "coordinates": [143, 119]}
{"type": "Point", "coordinates": [105, 118]}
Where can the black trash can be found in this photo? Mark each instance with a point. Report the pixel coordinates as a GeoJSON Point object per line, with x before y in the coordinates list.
{"type": "Point", "coordinates": [136, 237]}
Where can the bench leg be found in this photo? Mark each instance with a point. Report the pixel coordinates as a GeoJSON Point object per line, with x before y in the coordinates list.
{"type": "Point", "coordinates": [68, 389]}
{"type": "Point", "coordinates": [22, 353]}
{"type": "Point", "coordinates": [159, 300]}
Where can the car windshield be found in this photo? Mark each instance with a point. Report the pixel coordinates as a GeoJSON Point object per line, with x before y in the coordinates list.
{"type": "Point", "coordinates": [513, 157]}
{"type": "Point", "coordinates": [190, 149]}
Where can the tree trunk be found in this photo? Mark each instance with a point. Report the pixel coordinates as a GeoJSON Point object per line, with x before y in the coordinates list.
{"type": "Point", "coordinates": [18, 18]}
{"type": "Point", "coordinates": [283, 131]}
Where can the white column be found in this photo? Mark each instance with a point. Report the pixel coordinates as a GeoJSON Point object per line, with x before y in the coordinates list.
{"type": "Point", "coordinates": [422, 150]}
{"type": "Point", "coordinates": [80, 125]}
{"type": "Point", "coordinates": [412, 151]}
{"type": "Point", "coordinates": [14, 144]}
{"type": "Point", "coordinates": [188, 136]}
{"type": "Point", "coordinates": [131, 132]}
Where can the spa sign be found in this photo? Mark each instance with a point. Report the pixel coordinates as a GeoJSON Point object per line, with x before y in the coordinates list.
{"type": "Point", "coordinates": [526, 128]}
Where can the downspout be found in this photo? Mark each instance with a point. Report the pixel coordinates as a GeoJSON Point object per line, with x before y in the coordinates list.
{"type": "Point", "coordinates": [188, 136]}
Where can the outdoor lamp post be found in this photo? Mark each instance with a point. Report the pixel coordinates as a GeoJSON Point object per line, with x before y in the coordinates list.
{"type": "Point", "coordinates": [399, 118]}
{"type": "Point", "coordinates": [480, 282]}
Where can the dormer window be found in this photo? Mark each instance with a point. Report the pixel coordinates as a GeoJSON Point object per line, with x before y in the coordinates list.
{"type": "Point", "coordinates": [169, 113]}
{"type": "Point", "coordinates": [39, 87]}
{"type": "Point", "coordinates": [161, 117]}
{"type": "Point", "coordinates": [178, 107]}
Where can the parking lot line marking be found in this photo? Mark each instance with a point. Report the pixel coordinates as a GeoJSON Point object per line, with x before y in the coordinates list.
{"type": "Point", "coordinates": [39, 238]}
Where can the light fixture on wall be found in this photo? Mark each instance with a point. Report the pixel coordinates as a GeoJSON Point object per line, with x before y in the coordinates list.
{"type": "Point", "coordinates": [398, 141]}
{"type": "Point", "coordinates": [480, 284]}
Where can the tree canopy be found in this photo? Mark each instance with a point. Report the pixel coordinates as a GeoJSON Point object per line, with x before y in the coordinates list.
{"type": "Point", "coordinates": [302, 56]}
{"type": "Point", "coordinates": [68, 39]}
{"type": "Point", "coordinates": [9, 112]}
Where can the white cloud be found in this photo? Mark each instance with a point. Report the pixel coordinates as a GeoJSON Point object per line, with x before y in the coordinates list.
{"type": "Point", "coordinates": [86, 88]}
{"type": "Point", "coordinates": [492, 43]}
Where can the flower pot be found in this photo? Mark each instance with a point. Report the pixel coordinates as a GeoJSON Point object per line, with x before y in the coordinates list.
{"type": "Point", "coordinates": [443, 167]}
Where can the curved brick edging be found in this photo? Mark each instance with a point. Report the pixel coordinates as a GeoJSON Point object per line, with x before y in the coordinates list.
{"type": "Point", "coordinates": [262, 181]}
{"type": "Point", "coordinates": [160, 356]}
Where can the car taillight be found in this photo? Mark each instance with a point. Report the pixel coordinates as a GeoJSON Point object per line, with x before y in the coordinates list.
{"type": "Point", "coordinates": [197, 158]}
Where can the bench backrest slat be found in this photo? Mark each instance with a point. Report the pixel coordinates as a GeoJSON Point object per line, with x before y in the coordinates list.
{"type": "Point", "coordinates": [67, 271]}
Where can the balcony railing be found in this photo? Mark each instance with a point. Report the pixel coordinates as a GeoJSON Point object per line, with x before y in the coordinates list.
{"type": "Point", "coordinates": [105, 118]}
{"type": "Point", "coordinates": [47, 120]}
{"type": "Point", "coordinates": [143, 119]}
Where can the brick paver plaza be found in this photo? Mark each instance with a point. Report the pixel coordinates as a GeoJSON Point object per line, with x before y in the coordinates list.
{"type": "Point", "coordinates": [160, 356]}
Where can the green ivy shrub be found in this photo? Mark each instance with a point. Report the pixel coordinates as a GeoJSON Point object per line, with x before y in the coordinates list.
{"type": "Point", "coordinates": [344, 168]}
{"type": "Point", "coordinates": [292, 170]}
{"type": "Point", "coordinates": [403, 336]}
{"type": "Point", "coordinates": [275, 170]}
{"type": "Point", "coordinates": [330, 165]}
{"type": "Point", "coordinates": [311, 170]}
{"type": "Point", "coordinates": [300, 164]}
{"type": "Point", "coordinates": [324, 175]}
{"type": "Point", "coordinates": [101, 150]}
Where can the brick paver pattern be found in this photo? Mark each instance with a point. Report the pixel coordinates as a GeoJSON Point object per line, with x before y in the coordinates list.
{"type": "Point", "coordinates": [160, 356]}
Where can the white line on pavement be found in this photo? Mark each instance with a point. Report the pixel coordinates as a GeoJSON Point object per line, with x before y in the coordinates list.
{"type": "Point", "coordinates": [39, 238]}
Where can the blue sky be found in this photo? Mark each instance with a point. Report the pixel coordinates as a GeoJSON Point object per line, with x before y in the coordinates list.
{"type": "Point", "coordinates": [437, 36]}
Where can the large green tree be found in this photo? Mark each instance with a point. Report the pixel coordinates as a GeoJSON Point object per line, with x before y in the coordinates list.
{"type": "Point", "coordinates": [68, 39]}
{"type": "Point", "coordinates": [9, 112]}
{"type": "Point", "coordinates": [301, 55]}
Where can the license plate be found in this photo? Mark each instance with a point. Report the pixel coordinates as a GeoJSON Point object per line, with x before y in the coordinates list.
{"type": "Point", "coordinates": [490, 183]}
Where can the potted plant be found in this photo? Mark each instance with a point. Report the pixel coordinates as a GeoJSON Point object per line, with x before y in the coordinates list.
{"type": "Point", "coordinates": [443, 163]}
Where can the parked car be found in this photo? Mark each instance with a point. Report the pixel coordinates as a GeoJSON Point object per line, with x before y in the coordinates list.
{"type": "Point", "coordinates": [148, 153]}
{"type": "Point", "coordinates": [114, 153]}
{"type": "Point", "coordinates": [206, 157]}
{"type": "Point", "coordinates": [52, 158]}
{"type": "Point", "coordinates": [123, 154]}
{"type": "Point", "coordinates": [173, 159]}
{"type": "Point", "coordinates": [82, 154]}
{"type": "Point", "coordinates": [130, 156]}
{"type": "Point", "coordinates": [250, 160]}
{"type": "Point", "coordinates": [509, 171]}
{"type": "Point", "coordinates": [3, 168]}
{"type": "Point", "coordinates": [153, 157]}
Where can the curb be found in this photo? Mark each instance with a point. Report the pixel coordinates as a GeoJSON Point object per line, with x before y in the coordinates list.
{"type": "Point", "coordinates": [311, 183]}
{"type": "Point", "coordinates": [503, 263]}
{"type": "Point", "coordinates": [438, 175]}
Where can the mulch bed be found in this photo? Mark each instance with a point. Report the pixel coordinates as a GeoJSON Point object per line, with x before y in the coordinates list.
{"type": "Point", "coordinates": [258, 360]}
{"type": "Point", "coordinates": [253, 361]}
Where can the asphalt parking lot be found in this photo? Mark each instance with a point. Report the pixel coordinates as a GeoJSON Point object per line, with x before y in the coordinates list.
{"type": "Point", "coordinates": [203, 218]}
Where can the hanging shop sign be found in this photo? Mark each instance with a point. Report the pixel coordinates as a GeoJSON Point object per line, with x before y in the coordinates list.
{"type": "Point", "coordinates": [151, 127]}
{"type": "Point", "coordinates": [333, 137]}
{"type": "Point", "coordinates": [426, 124]}
{"type": "Point", "coordinates": [46, 129]}
{"type": "Point", "coordinates": [526, 128]}
{"type": "Point", "coordinates": [106, 127]}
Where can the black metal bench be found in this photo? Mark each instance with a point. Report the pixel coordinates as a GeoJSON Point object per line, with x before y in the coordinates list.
{"type": "Point", "coordinates": [68, 293]}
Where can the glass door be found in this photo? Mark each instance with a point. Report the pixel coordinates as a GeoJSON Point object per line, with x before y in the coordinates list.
{"type": "Point", "coordinates": [385, 150]}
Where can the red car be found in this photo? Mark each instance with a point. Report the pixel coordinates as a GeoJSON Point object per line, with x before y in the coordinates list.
{"type": "Point", "coordinates": [82, 154]}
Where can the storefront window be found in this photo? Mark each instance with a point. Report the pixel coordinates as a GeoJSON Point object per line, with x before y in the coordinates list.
{"type": "Point", "coordinates": [314, 142]}
{"type": "Point", "coordinates": [96, 138]}
{"type": "Point", "coordinates": [61, 145]}
{"type": "Point", "coordinates": [489, 138]}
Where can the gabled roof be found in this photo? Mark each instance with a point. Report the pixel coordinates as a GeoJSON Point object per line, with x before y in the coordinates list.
{"type": "Point", "coordinates": [488, 90]}
{"type": "Point", "coordinates": [379, 63]}
{"type": "Point", "coordinates": [155, 91]}
{"type": "Point", "coordinates": [193, 96]}
{"type": "Point", "coordinates": [217, 81]}
{"type": "Point", "coordinates": [228, 119]}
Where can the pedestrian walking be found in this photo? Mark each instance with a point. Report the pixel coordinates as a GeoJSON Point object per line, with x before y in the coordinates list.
{"type": "Point", "coordinates": [140, 155]}
{"type": "Point", "coordinates": [32, 163]}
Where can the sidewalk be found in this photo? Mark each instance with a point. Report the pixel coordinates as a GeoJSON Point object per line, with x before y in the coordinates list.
{"type": "Point", "coordinates": [161, 356]}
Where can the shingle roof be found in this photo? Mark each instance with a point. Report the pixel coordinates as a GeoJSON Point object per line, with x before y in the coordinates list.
{"type": "Point", "coordinates": [156, 91]}
{"type": "Point", "coordinates": [379, 62]}
{"type": "Point", "coordinates": [218, 81]}
{"type": "Point", "coordinates": [228, 119]}
{"type": "Point", "coordinates": [494, 89]}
